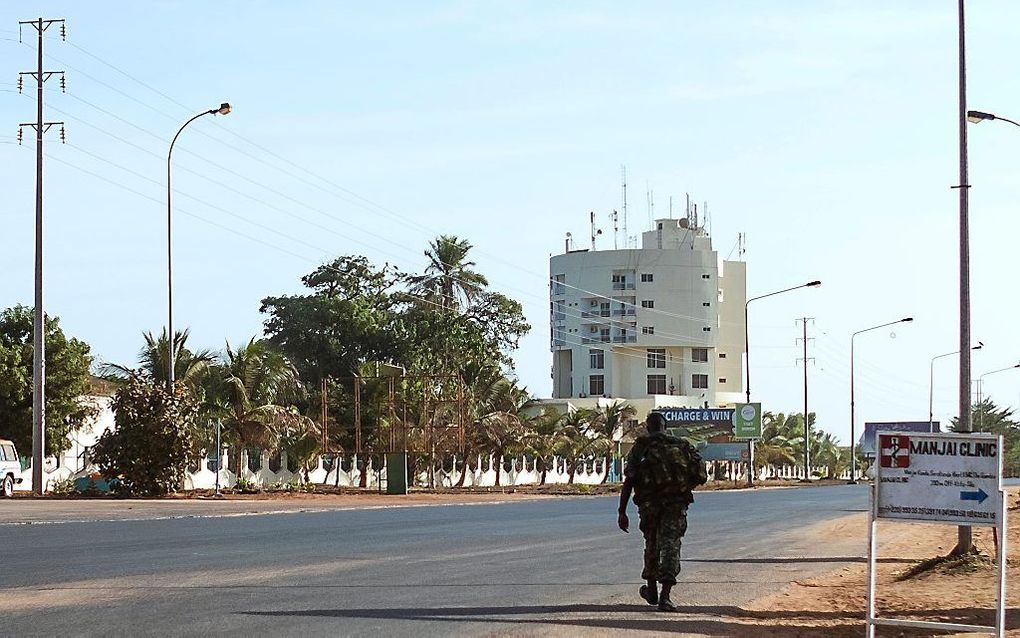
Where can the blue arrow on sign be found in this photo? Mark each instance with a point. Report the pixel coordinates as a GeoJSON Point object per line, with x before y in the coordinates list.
{"type": "Point", "coordinates": [978, 496]}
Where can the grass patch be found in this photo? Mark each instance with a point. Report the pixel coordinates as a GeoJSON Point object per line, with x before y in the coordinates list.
{"type": "Point", "coordinates": [951, 565]}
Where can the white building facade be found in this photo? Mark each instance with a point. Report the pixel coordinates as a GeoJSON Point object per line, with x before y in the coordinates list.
{"type": "Point", "coordinates": [659, 325]}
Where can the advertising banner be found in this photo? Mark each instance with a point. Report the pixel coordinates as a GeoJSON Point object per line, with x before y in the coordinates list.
{"type": "Point", "coordinates": [747, 421]}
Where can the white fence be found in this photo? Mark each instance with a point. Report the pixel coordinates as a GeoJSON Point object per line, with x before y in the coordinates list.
{"type": "Point", "coordinates": [347, 472]}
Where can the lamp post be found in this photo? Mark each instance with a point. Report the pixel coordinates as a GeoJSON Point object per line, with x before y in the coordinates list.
{"type": "Point", "coordinates": [931, 382]}
{"type": "Point", "coordinates": [980, 386]}
{"type": "Point", "coordinates": [747, 364]}
{"type": "Point", "coordinates": [976, 117]}
{"type": "Point", "coordinates": [853, 419]}
{"type": "Point", "coordinates": [222, 110]}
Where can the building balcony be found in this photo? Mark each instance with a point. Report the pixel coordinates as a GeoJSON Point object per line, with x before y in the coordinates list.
{"type": "Point", "coordinates": [625, 339]}
{"type": "Point", "coordinates": [559, 316]}
{"type": "Point", "coordinates": [594, 314]}
{"type": "Point", "coordinates": [624, 312]}
{"type": "Point", "coordinates": [623, 285]}
{"type": "Point", "coordinates": [597, 339]}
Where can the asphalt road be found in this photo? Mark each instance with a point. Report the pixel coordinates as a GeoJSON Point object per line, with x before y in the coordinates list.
{"type": "Point", "coordinates": [521, 568]}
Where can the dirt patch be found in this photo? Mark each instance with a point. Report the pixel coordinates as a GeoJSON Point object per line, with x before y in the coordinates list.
{"type": "Point", "coordinates": [915, 581]}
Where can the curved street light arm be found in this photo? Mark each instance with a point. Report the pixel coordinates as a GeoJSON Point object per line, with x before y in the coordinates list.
{"type": "Point", "coordinates": [224, 109]}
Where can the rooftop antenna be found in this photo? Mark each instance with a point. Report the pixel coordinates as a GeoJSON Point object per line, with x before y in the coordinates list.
{"type": "Point", "coordinates": [594, 231]}
{"type": "Point", "coordinates": [566, 247]}
{"type": "Point", "coordinates": [671, 207]}
{"type": "Point", "coordinates": [688, 213]}
{"type": "Point", "coordinates": [616, 229]}
{"type": "Point", "coordinates": [708, 219]}
{"type": "Point", "coordinates": [695, 216]}
{"type": "Point", "coordinates": [623, 171]}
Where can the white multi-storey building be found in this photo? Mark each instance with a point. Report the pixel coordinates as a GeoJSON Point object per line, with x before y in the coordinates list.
{"type": "Point", "coordinates": [659, 325]}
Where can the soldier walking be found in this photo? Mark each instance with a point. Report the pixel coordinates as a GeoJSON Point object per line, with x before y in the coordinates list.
{"type": "Point", "coordinates": [661, 471]}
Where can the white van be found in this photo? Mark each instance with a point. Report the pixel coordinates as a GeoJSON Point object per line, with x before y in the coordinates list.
{"type": "Point", "coordinates": [10, 468]}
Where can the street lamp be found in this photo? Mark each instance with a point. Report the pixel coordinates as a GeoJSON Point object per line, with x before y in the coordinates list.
{"type": "Point", "coordinates": [747, 363]}
{"type": "Point", "coordinates": [931, 382]}
{"type": "Point", "coordinates": [980, 385]}
{"type": "Point", "coordinates": [222, 110]}
{"type": "Point", "coordinates": [853, 452]}
{"type": "Point", "coordinates": [976, 117]}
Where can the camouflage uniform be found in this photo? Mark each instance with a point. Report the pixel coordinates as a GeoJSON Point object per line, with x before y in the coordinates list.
{"type": "Point", "coordinates": [662, 508]}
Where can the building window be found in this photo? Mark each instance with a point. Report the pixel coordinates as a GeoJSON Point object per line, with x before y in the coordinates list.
{"type": "Point", "coordinates": [656, 357]}
{"type": "Point", "coordinates": [699, 355]}
{"type": "Point", "coordinates": [597, 359]}
{"type": "Point", "coordinates": [722, 355]}
{"type": "Point", "coordinates": [604, 309]}
{"type": "Point", "coordinates": [722, 380]}
{"type": "Point", "coordinates": [558, 287]}
{"type": "Point", "coordinates": [647, 277]}
{"type": "Point", "coordinates": [596, 385]}
{"type": "Point", "coordinates": [706, 276]}
{"type": "Point", "coordinates": [604, 335]}
{"type": "Point", "coordinates": [647, 330]}
{"type": "Point", "coordinates": [706, 304]}
{"type": "Point", "coordinates": [699, 381]}
{"type": "Point", "coordinates": [706, 329]}
{"type": "Point", "coordinates": [647, 303]}
{"type": "Point", "coordinates": [656, 384]}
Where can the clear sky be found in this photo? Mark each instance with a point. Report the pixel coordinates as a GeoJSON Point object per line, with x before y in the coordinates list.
{"type": "Point", "coordinates": [825, 130]}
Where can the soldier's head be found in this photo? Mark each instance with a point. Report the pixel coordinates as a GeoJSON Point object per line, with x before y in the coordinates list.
{"type": "Point", "coordinates": [655, 422]}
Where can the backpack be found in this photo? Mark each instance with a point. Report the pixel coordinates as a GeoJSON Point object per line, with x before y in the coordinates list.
{"type": "Point", "coordinates": [669, 465]}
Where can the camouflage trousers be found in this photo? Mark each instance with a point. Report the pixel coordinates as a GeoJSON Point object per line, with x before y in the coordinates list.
{"type": "Point", "coordinates": [663, 527]}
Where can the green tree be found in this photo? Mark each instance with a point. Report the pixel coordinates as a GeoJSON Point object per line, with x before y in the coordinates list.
{"type": "Point", "coordinates": [190, 366]}
{"type": "Point", "coordinates": [543, 438]}
{"type": "Point", "coordinates": [345, 321]}
{"type": "Point", "coordinates": [498, 428]}
{"type": "Point", "coordinates": [609, 421]}
{"type": "Point", "coordinates": [986, 416]}
{"type": "Point", "coordinates": [252, 395]}
{"type": "Point", "coordinates": [449, 280]}
{"type": "Point", "coordinates": [152, 444]}
{"type": "Point", "coordinates": [779, 438]}
{"type": "Point", "coordinates": [582, 439]}
{"type": "Point", "coordinates": [67, 381]}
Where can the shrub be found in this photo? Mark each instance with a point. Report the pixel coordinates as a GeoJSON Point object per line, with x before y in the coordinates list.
{"type": "Point", "coordinates": [151, 445]}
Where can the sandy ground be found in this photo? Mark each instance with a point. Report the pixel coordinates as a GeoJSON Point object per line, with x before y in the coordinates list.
{"type": "Point", "coordinates": [834, 604]}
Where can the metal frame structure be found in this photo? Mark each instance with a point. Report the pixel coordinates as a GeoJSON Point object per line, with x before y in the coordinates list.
{"type": "Point", "coordinates": [436, 393]}
{"type": "Point", "coordinates": [872, 619]}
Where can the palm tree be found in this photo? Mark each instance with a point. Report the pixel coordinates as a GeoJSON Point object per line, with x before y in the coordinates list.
{"type": "Point", "coordinates": [778, 441]}
{"type": "Point", "coordinates": [498, 421]}
{"type": "Point", "coordinates": [251, 394]}
{"type": "Point", "coordinates": [189, 367]}
{"type": "Point", "coordinates": [608, 421]}
{"type": "Point", "coordinates": [582, 439]}
{"type": "Point", "coordinates": [449, 279]}
{"type": "Point", "coordinates": [836, 459]}
{"type": "Point", "coordinates": [543, 438]}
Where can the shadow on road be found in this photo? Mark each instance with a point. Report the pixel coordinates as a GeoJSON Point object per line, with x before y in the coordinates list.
{"type": "Point", "coordinates": [718, 620]}
{"type": "Point", "coordinates": [797, 559]}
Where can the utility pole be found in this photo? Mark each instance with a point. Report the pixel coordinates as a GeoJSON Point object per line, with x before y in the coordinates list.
{"type": "Point", "coordinates": [964, 541]}
{"type": "Point", "coordinates": [39, 328]}
{"type": "Point", "coordinates": [807, 422]}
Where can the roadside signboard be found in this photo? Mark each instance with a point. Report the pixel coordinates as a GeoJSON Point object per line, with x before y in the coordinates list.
{"type": "Point", "coordinates": [724, 452]}
{"type": "Point", "coordinates": [953, 478]}
{"type": "Point", "coordinates": [942, 478]}
{"type": "Point", "coordinates": [747, 421]}
{"type": "Point", "coordinates": [867, 441]}
{"type": "Point", "coordinates": [682, 416]}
